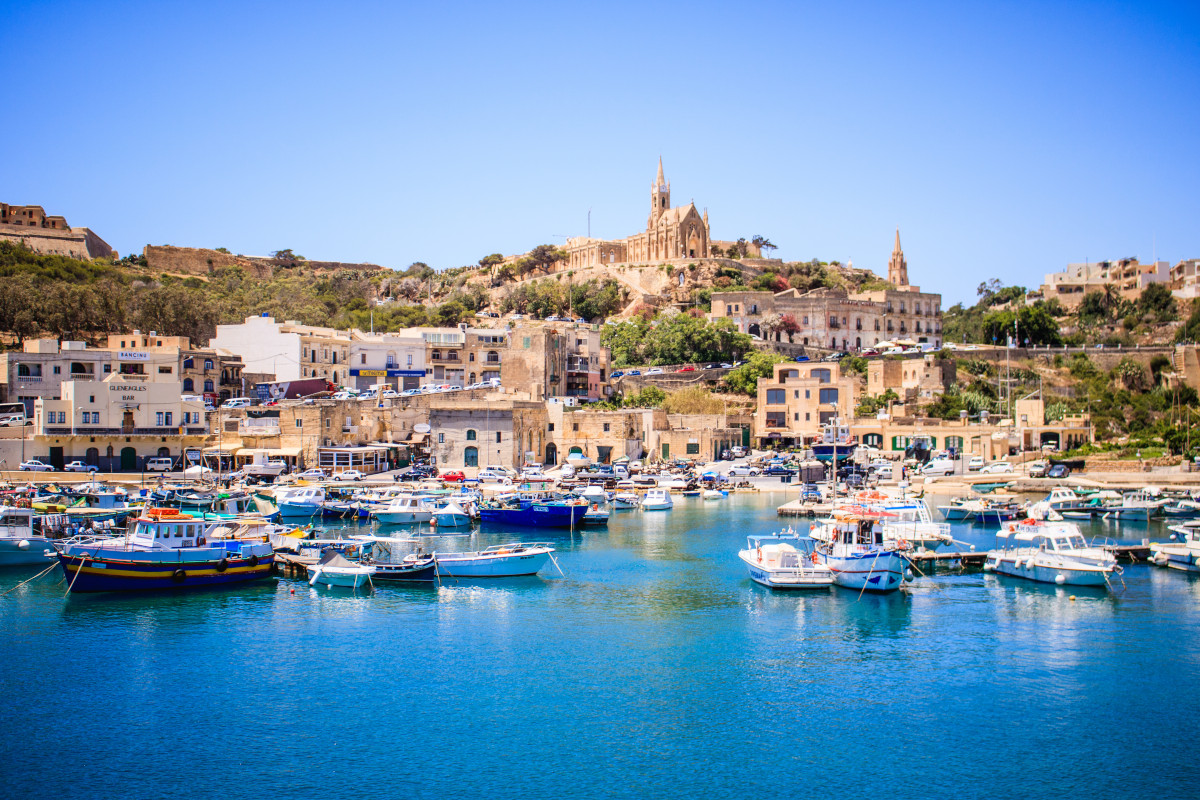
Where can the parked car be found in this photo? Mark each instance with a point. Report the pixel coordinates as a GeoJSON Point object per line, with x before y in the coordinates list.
{"type": "Point", "coordinates": [349, 475]}
{"type": "Point", "coordinates": [236, 402]}
{"type": "Point", "coordinates": [801, 359]}
{"type": "Point", "coordinates": [160, 464]}
{"type": "Point", "coordinates": [496, 475]}
{"type": "Point", "coordinates": [33, 465]}
{"type": "Point", "coordinates": [79, 466]}
{"type": "Point", "coordinates": [634, 372]}
{"type": "Point", "coordinates": [419, 472]}
{"type": "Point", "coordinates": [616, 374]}
{"type": "Point", "coordinates": [454, 477]}
{"type": "Point", "coordinates": [314, 474]}
{"type": "Point", "coordinates": [780, 469]}
{"type": "Point", "coordinates": [726, 365]}
{"type": "Point", "coordinates": [654, 371]}
{"type": "Point", "coordinates": [996, 467]}
{"type": "Point", "coordinates": [686, 369]}
{"type": "Point", "coordinates": [1038, 469]}
{"type": "Point", "coordinates": [1058, 471]}
{"type": "Point", "coordinates": [975, 463]}
{"type": "Point", "coordinates": [742, 470]}
{"type": "Point", "coordinates": [811, 493]}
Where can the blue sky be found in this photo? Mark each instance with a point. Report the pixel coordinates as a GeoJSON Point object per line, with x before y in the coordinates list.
{"type": "Point", "coordinates": [1003, 139]}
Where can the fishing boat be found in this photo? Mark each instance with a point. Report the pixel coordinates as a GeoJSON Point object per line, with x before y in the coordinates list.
{"type": "Point", "coordinates": [854, 548]}
{"type": "Point", "coordinates": [777, 561]}
{"type": "Point", "coordinates": [625, 500]}
{"type": "Point", "coordinates": [906, 521]}
{"type": "Point", "coordinates": [405, 509]}
{"type": "Point", "coordinates": [960, 508]}
{"type": "Point", "coordinates": [1050, 551]}
{"type": "Point", "coordinates": [451, 515]}
{"type": "Point", "coordinates": [657, 500]}
{"type": "Point", "coordinates": [712, 494]}
{"type": "Point", "coordinates": [19, 544]}
{"type": "Point", "coordinates": [162, 550]}
{"type": "Point", "coordinates": [596, 516]}
{"type": "Point", "coordinates": [422, 568]}
{"type": "Point", "coordinates": [836, 443]}
{"type": "Point", "coordinates": [300, 501]}
{"type": "Point", "coordinates": [1182, 552]}
{"type": "Point", "coordinates": [497, 561]}
{"type": "Point", "coordinates": [1064, 498]}
{"type": "Point", "coordinates": [335, 570]}
{"type": "Point", "coordinates": [532, 513]}
{"type": "Point", "coordinates": [997, 512]}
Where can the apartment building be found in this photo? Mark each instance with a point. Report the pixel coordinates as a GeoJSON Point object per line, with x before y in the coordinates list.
{"type": "Point", "coordinates": [797, 399]}
{"type": "Point", "coordinates": [214, 374]}
{"type": "Point", "coordinates": [288, 350]}
{"type": "Point", "coordinates": [1128, 276]}
{"type": "Point", "coordinates": [37, 372]}
{"type": "Point", "coordinates": [912, 379]}
{"type": "Point", "coordinates": [118, 421]}
{"type": "Point", "coordinates": [1185, 279]}
{"type": "Point", "coordinates": [395, 359]}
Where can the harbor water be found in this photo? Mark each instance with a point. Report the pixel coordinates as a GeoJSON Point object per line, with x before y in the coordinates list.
{"type": "Point", "coordinates": [654, 668]}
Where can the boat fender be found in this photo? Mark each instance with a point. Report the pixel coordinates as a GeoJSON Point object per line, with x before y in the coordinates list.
{"type": "Point", "coordinates": [223, 565]}
{"type": "Point", "coordinates": [760, 555]}
{"type": "Point", "coordinates": [179, 576]}
{"type": "Point", "coordinates": [1060, 579]}
{"type": "Point", "coordinates": [908, 575]}
{"type": "Point", "coordinates": [23, 544]}
{"type": "Point", "coordinates": [254, 561]}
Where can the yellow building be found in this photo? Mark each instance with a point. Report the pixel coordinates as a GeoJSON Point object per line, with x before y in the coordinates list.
{"type": "Point", "coordinates": [798, 398]}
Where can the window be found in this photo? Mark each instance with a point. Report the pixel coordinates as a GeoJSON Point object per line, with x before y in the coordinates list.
{"type": "Point", "coordinates": [550, 427]}
{"type": "Point", "coordinates": [91, 398]}
{"type": "Point", "coordinates": [108, 367]}
{"type": "Point", "coordinates": [776, 397]}
{"type": "Point", "coordinates": [57, 369]}
{"type": "Point", "coordinates": [821, 375]}
{"type": "Point", "coordinates": [776, 419]}
{"type": "Point", "coordinates": [167, 418]}
{"type": "Point", "coordinates": [187, 363]}
{"type": "Point", "coordinates": [693, 448]}
{"type": "Point", "coordinates": [470, 356]}
{"type": "Point", "coordinates": [208, 386]}
{"type": "Point", "coordinates": [497, 437]}
{"type": "Point", "coordinates": [164, 370]}
{"type": "Point", "coordinates": [208, 363]}
{"type": "Point", "coordinates": [362, 358]}
{"type": "Point", "coordinates": [299, 423]}
{"type": "Point", "coordinates": [470, 435]}
{"type": "Point", "coordinates": [525, 341]}
{"type": "Point", "coordinates": [606, 427]}
{"type": "Point", "coordinates": [829, 396]}
{"type": "Point", "coordinates": [189, 385]}
{"type": "Point", "coordinates": [796, 394]}
{"type": "Point", "coordinates": [441, 438]}
{"type": "Point", "coordinates": [807, 394]}
{"type": "Point", "coordinates": [158, 419]}
{"type": "Point", "coordinates": [327, 424]}
{"type": "Point", "coordinates": [575, 426]}
{"type": "Point", "coordinates": [796, 417]}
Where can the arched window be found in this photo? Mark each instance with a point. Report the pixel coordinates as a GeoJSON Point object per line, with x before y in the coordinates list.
{"type": "Point", "coordinates": [470, 435]}
{"type": "Point", "coordinates": [189, 385]}
{"type": "Point", "coordinates": [208, 385]}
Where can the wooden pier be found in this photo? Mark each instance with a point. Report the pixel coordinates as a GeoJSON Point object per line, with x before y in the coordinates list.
{"type": "Point", "coordinates": [931, 559]}
{"type": "Point", "coordinates": [798, 509]}
{"type": "Point", "coordinates": [293, 566]}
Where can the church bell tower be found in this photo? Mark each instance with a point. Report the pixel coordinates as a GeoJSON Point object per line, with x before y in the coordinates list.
{"type": "Point", "coordinates": [660, 196]}
{"type": "Point", "coordinates": [897, 266]}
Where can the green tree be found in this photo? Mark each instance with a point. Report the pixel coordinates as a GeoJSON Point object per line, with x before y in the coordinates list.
{"type": "Point", "coordinates": [744, 379]}
{"type": "Point", "coordinates": [1157, 299]}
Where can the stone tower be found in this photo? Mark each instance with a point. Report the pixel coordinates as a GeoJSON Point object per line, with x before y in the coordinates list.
{"type": "Point", "coordinates": [660, 196]}
{"type": "Point", "coordinates": [897, 266]}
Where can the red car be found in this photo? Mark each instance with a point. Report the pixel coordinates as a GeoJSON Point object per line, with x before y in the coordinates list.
{"type": "Point", "coordinates": [454, 477]}
{"type": "Point", "coordinates": [686, 369]}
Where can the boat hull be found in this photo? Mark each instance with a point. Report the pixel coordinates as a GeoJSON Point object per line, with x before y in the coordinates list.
{"type": "Point", "coordinates": [287, 509]}
{"type": "Point", "coordinates": [425, 571]}
{"type": "Point", "coordinates": [534, 516]}
{"type": "Point", "coordinates": [506, 566]}
{"type": "Point", "coordinates": [86, 573]}
{"type": "Point", "coordinates": [786, 577]}
{"type": "Point", "coordinates": [408, 517]}
{"type": "Point", "coordinates": [345, 578]}
{"type": "Point", "coordinates": [1047, 573]}
{"type": "Point", "coordinates": [877, 571]}
{"type": "Point", "coordinates": [34, 553]}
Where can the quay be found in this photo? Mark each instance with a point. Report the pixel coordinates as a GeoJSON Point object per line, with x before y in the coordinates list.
{"type": "Point", "coordinates": [795, 508]}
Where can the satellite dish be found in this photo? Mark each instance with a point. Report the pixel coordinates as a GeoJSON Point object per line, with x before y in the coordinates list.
{"type": "Point", "coordinates": [421, 427]}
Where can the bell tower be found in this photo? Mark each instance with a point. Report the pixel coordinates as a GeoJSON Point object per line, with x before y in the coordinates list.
{"type": "Point", "coordinates": [660, 196]}
{"type": "Point", "coordinates": [897, 266]}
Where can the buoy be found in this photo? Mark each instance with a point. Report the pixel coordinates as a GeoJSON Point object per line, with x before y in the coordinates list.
{"type": "Point", "coordinates": [972, 548]}
{"type": "Point", "coordinates": [293, 590]}
{"type": "Point", "coordinates": [1060, 579]}
{"type": "Point", "coordinates": [908, 575]}
{"type": "Point", "coordinates": [1072, 598]}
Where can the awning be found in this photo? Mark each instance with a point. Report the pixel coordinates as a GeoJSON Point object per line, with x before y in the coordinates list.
{"type": "Point", "coordinates": [284, 451]}
{"type": "Point", "coordinates": [223, 448]}
{"type": "Point", "coordinates": [418, 437]}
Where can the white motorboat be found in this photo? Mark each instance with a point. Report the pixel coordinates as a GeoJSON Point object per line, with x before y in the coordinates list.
{"type": "Point", "coordinates": [906, 524]}
{"type": "Point", "coordinates": [960, 508]}
{"type": "Point", "coordinates": [452, 515]}
{"type": "Point", "coordinates": [579, 461]}
{"type": "Point", "coordinates": [333, 570]}
{"type": "Point", "coordinates": [497, 561]}
{"type": "Point", "coordinates": [1183, 552]}
{"type": "Point", "coordinates": [657, 500]}
{"type": "Point", "coordinates": [19, 545]}
{"type": "Point", "coordinates": [405, 509]}
{"type": "Point", "coordinates": [671, 482]}
{"type": "Point", "coordinates": [593, 494]}
{"type": "Point", "coordinates": [1050, 552]}
{"type": "Point", "coordinates": [853, 547]}
{"type": "Point", "coordinates": [712, 494]}
{"type": "Point", "coordinates": [775, 561]}
{"type": "Point", "coordinates": [300, 501]}
{"type": "Point", "coordinates": [623, 500]}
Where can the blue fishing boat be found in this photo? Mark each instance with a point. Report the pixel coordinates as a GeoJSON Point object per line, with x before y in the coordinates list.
{"type": "Point", "coordinates": [836, 443]}
{"type": "Point", "coordinates": [162, 550]}
{"type": "Point", "coordinates": [533, 513]}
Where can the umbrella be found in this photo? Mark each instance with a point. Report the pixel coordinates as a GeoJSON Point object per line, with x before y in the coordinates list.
{"type": "Point", "coordinates": [196, 471]}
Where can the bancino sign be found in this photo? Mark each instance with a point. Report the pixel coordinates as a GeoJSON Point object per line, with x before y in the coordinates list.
{"type": "Point", "coordinates": [387, 373]}
{"type": "Point", "coordinates": [132, 356]}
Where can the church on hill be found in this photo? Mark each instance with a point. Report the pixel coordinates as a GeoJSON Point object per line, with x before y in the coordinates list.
{"type": "Point", "coordinates": [671, 233]}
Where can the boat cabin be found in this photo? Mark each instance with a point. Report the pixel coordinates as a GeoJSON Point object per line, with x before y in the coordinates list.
{"type": "Point", "coordinates": [16, 523]}
{"type": "Point", "coordinates": [1059, 538]}
{"type": "Point", "coordinates": [858, 531]}
{"type": "Point", "coordinates": [167, 531]}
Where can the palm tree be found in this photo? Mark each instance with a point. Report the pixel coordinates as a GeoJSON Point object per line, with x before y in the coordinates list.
{"type": "Point", "coordinates": [763, 243]}
{"type": "Point", "coordinates": [1112, 298]}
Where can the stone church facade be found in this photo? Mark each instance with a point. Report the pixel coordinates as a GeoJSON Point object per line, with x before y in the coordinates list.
{"type": "Point", "coordinates": [671, 233]}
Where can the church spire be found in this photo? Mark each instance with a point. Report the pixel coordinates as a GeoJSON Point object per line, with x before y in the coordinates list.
{"type": "Point", "coordinates": [660, 180]}
{"type": "Point", "coordinates": [660, 197]}
{"type": "Point", "coordinates": [897, 266]}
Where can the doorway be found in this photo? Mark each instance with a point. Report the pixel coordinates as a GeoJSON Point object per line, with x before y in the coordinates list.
{"type": "Point", "coordinates": [128, 459]}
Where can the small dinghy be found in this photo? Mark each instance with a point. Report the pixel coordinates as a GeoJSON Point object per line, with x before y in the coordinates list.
{"type": "Point", "coordinates": [334, 570]}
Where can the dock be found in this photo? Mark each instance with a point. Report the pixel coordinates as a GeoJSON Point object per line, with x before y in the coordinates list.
{"type": "Point", "coordinates": [798, 509]}
{"type": "Point", "coordinates": [930, 559]}
{"type": "Point", "coordinates": [293, 566]}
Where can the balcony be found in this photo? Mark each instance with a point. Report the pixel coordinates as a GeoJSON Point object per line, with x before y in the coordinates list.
{"type": "Point", "coordinates": [445, 358]}
{"type": "Point", "coordinates": [834, 325]}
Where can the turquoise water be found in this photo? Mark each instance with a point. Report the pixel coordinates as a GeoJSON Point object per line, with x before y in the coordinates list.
{"type": "Point", "coordinates": [654, 668]}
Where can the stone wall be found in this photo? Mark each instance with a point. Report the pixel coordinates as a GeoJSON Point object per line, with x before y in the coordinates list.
{"type": "Point", "coordinates": [78, 243]}
{"type": "Point", "coordinates": [201, 261]}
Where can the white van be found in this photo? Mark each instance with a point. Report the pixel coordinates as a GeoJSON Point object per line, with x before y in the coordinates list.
{"type": "Point", "coordinates": [160, 464]}
{"type": "Point", "coordinates": [236, 402]}
{"type": "Point", "coordinates": [940, 466]}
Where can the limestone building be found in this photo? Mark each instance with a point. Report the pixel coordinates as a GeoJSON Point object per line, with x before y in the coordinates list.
{"type": "Point", "coordinates": [50, 234]}
{"type": "Point", "coordinates": [798, 398]}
